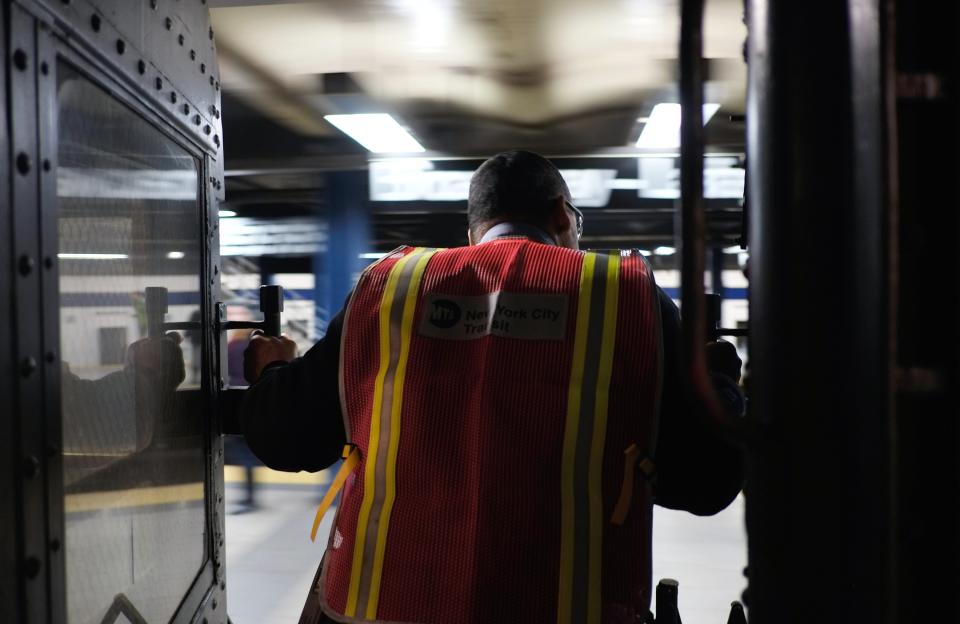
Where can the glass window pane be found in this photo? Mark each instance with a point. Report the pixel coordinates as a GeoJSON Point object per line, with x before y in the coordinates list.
{"type": "Point", "coordinates": [130, 250]}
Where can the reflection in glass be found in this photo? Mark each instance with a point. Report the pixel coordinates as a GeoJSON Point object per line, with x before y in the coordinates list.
{"type": "Point", "coordinates": [132, 435]}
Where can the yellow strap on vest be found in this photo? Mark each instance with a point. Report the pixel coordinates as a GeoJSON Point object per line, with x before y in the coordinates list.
{"type": "Point", "coordinates": [622, 507]}
{"type": "Point", "coordinates": [351, 457]}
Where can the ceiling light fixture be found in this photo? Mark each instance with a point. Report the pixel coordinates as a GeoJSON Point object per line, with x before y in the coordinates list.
{"type": "Point", "coordinates": [226, 214]}
{"type": "Point", "coordinates": [176, 255]}
{"type": "Point", "coordinates": [664, 251]}
{"type": "Point", "coordinates": [662, 130]}
{"type": "Point", "coordinates": [378, 132]}
{"type": "Point", "coordinates": [373, 255]}
{"type": "Point", "coordinates": [92, 256]}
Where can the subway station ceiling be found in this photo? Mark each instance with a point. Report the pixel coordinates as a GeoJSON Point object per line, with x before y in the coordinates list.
{"type": "Point", "coordinates": [467, 78]}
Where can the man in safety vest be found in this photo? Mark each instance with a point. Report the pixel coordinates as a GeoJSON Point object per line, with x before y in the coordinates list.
{"type": "Point", "coordinates": [507, 412]}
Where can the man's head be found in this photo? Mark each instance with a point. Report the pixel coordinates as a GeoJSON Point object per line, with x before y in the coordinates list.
{"type": "Point", "coordinates": [525, 187]}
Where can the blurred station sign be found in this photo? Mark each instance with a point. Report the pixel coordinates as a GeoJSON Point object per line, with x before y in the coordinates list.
{"type": "Point", "coordinates": [658, 177]}
{"type": "Point", "coordinates": [417, 180]}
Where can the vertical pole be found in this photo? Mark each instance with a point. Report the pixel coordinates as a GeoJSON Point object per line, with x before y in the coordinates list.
{"type": "Point", "coordinates": [348, 236]}
{"type": "Point", "coordinates": [818, 514]}
{"type": "Point", "coordinates": [716, 271]}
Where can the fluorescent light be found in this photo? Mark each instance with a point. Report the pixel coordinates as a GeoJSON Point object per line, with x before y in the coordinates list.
{"type": "Point", "coordinates": [226, 214]}
{"type": "Point", "coordinates": [373, 255]}
{"type": "Point", "coordinates": [664, 251]}
{"type": "Point", "coordinates": [646, 252]}
{"type": "Point", "coordinates": [92, 256]}
{"type": "Point", "coordinates": [176, 255]}
{"type": "Point", "coordinates": [662, 130]}
{"type": "Point", "coordinates": [378, 132]}
{"type": "Point", "coordinates": [732, 250]}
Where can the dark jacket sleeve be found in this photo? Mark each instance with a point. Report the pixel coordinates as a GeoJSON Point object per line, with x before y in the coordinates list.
{"type": "Point", "coordinates": [697, 470]}
{"type": "Point", "coordinates": [291, 417]}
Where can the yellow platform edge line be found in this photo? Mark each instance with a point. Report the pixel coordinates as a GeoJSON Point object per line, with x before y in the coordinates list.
{"type": "Point", "coordinates": [262, 474]}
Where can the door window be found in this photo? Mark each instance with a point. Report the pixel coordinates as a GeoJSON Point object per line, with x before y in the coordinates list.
{"type": "Point", "coordinates": [130, 259]}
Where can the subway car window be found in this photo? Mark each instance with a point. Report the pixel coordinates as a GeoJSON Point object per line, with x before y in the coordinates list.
{"type": "Point", "coordinates": [130, 249]}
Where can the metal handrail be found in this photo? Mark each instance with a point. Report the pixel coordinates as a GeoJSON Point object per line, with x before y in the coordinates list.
{"type": "Point", "coordinates": [693, 218]}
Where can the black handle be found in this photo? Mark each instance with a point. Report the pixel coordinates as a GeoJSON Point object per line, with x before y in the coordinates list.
{"type": "Point", "coordinates": [667, 610]}
{"type": "Point", "coordinates": [737, 616]}
{"type": "Point", "coordinates": [271, 304]}
{"type": "Point", "coordinates": [155, 302]}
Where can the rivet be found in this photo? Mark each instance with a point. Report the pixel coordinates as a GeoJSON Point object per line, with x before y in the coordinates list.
{"type": "Point", "coordinates": [203, 68]}
{"type": "Point", "coordinates": [213, 603]}
{"type": "Point", "coordinates": [46, 164]}
{"type": "Point", "coordinates": [55, 545]}
{"type": "Point", "coordinates": [141, 67]}
{"type": "Point", "coordinates": [65, 1]}
{"type": "Point", "coordinates": [217, 85]}
{"type": "Point", "coordinates": [180, 39]}
{"type": "Point", "coordinates": [31, 567]}
{"type": "Point", "coordinates": [210, 32]}
{"type": "Point", "coordinates": [216, 269]}
{"type": "Point", "coordinates": [211, 81]}
{"type": "Point", "coordinates": [193, 55]}
{"type": "Point", "coordinates": [25, 265]}
{"type": "Point", "coordinates": [51, 356]}
{"type": "Point", "coordinates": [95, 22]}
{"type": "Point", "coordinates": [196, 120]}
{"type": "Point", "coordinates": [173, 97]}
{"type": "Point", "coordinates": [31, 467]}
{"type": "Point", "coordinates": [153, 4]}
{"type": "Point", "coordinates": [28, 366]}
{"type": "Point", "coordinates": [20, 59]}
{"type": "Point", "coordinates": [186, 109]}
{"type": "Point", "coordinates": [216, 139]}
{"type": "Point", "coordinates": [121, 46]}
{"type": "Point", "coordinates": [168, 23]}
{"type": "Point", "coordinates": [44, 68]}
{"type": "Point", "coordinates": [206, 129]}
{"type": "Point", "coordinates": [158, 83]}
{"type": "Point", "coordinates": [223, 585]}
{"type": "Point", "coordinates": [48, 262]}
{"type": "Point", "coordinates": [219, 452]}
{"type": "Point", "coordinates": [23, 163]}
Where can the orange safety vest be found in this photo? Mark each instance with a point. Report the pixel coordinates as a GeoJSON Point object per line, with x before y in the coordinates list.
{"type": "Point", "coordinates": [498, 400]}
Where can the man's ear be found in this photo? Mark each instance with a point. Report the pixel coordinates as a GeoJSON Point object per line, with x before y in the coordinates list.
{"type": "Point", "coordinates": [559, 220]}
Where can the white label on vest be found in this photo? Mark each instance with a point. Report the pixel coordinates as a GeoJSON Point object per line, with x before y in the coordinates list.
{"type": "Point", "coordinates": [504, 314]}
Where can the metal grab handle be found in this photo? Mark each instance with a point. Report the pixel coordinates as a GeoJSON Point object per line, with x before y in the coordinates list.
{"type": "Point", "coordinates": [156, 304]}
{"type": "Point", "coordinates": [271, 304]}
{"type": "Point", "coordinates": [693, 217]}
{"type": "Point", "coordinates": [713, 330]}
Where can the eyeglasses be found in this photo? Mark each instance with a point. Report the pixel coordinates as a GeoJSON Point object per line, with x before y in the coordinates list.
{"type": "Point", "coordinates": [578, 215]}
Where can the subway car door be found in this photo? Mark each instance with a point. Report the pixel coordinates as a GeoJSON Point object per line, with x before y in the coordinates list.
{"type": "Point", "coordinates": [111, 504]}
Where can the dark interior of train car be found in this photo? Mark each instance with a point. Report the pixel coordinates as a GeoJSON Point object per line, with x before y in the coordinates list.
{"type": "Point", "coordinates": [479, 312]}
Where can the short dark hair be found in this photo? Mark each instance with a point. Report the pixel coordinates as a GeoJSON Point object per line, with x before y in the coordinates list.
{"type": "Point", "coordinates": [513, 184]}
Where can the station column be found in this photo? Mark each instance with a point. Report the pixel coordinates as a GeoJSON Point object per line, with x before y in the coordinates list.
{"type": "Point", "coordinates": [348, 236]}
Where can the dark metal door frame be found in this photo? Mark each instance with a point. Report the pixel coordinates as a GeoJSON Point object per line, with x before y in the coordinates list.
{"type": "Point", "coordinates": [32, 494]}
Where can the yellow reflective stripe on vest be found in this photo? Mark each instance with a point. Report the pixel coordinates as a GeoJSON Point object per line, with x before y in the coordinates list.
{"type": "Point", "coordinates": [395, 327]}
{"type": "Point", "coordinates": [406, 331]}
{"type": "Point", "coordinates": [581, 540]}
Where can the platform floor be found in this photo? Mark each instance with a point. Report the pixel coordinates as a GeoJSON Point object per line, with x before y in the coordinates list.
{"type": "Point", "coordinates": [271, 561]}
